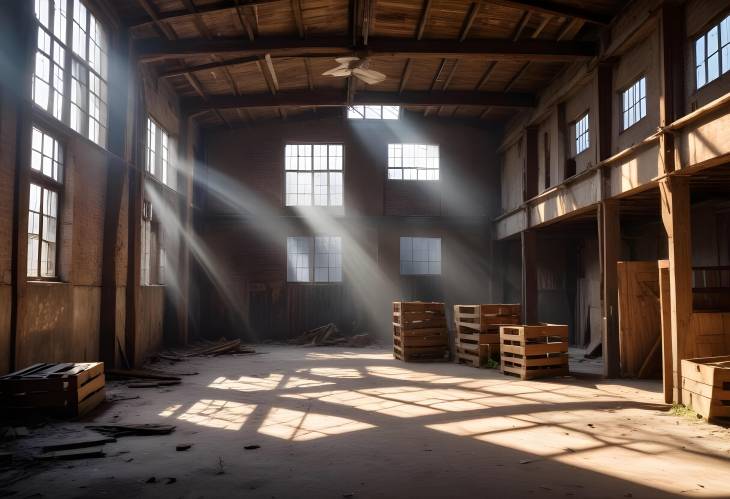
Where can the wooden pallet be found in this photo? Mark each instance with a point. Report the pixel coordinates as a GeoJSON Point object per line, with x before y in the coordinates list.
{"type": "Point", "coordinates": [706, 386]}
{"type": "Point", "coordinates": [420, 332]}
{"type": "Point", "coordinates": [482, 317]}
{"type": "Point", "coordinates": [70, 389]}
{"type": "Point", "coordinates": [532, 352]}
{"type": "Point", "coordinates": [419, 315]}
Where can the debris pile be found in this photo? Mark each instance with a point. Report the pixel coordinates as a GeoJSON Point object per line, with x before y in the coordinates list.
{"type": "Point", "coordinates": [329, 335]}
{"type": "Point", "coordinates": [207, 348]}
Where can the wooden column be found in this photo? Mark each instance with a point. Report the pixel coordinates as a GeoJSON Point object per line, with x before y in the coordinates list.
{"type": "Point", "coordinates": [609, 237]}
{"type": "Point", "coordinates": [529, 276]}
{"type": "Point", "coordinates": [671, 104]}
{"type": "Point", "coordinates": [530, 166]}
{"type": "Point", "coordinates": [605, 109]}
{"type": "Point", "coordinates": [675, 201]}
{"type": "Point", "coordinates": [667, 362]}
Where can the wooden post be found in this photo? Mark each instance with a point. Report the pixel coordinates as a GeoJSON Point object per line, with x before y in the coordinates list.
{"type": "Point", "coordinates": [675, 201]}
{"type": "Point", "coordinates": [609, 236]}
{"type": "Point", "coordinates": [529, 276]}
{"type": "Point", "coordinates": [671, 104]}
{"type": "Point", "coordinates": [530, 166]}
{"type": "Point", "coordinates": [665, 301]}
{"type": "Point", "coordinates": [605, 109]}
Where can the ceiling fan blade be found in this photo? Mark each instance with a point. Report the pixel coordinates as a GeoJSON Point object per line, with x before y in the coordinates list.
{"type": "Point", "coordinates": [369, 76]}
{"type": "Point", "coordinates": [346, 60]}
{"type": "Point", "coordinates": [338, 71]}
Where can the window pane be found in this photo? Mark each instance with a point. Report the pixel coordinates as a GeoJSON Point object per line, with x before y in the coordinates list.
{"type": "Point", "coordinates": [373, 112]}
{"type": "Point", "coordinates": [391, 112]}
{"type": "Point", "coordinates": [419, 161]}
{"type": "Point", "coordinates": [312, 184]}
{"type": "Point", "coordinates": [420, 256]}
{"type": "Point", "coordinates": [79, 29]}
{"type": "Point", "coordinates": [356, 112]}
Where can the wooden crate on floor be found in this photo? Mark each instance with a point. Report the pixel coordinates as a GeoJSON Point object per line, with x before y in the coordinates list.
{"type": "Point", "coordinates": [537, 351]}
{"type": "Point", "coordinates": [706, 386]}
{"type": "Point", "coordinates": [477, 331]}
{"type": "Point", "coordinates": [69, 389]}
{"type": "Point", "coordinates": [420, 332]}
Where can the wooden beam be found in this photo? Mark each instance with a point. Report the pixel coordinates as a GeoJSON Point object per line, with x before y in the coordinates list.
{"type": "Point", "coordinates": [487, 73]}
{"type": "Point", "coordinates": [211, 66]}
{"type": "Point", "coordinates": [521, 26]}
{"type": "Point", "coordinates": [672, 78]}
{"type": "Point", "coordinates": [528, 246]}
{"type": "Point", "coordinates": [245, 25]}
{"type": "Point", "coordinates": [517, 76]}
{"type": "Point", "coordinates": [424, 19]}
{"type": "Point", "coordinates": [541, 27]}
{"type": "Point", "coordinates": [471, 15]}
{"type": "Point", "coordinates": [296, 8]}
{"type": "Point", "coordinates": [218, 7]}
{"type": "Point", "coordinates": [494, 49]}
{"type": "Point", "coordinates": [272, 72]}
{"type": "Point", "coordinates": [605, 109]}
{"type": "Point", "coordinates": [338, 98]}
{"type": "Point", "coordinates": [199, 23]}
{"type": "Point", "coordinates": [531, 165]}
{"type": "Point", "coordinates": [557, 9]}
{"type": "Point", "coordinates": [308, 70]}
{"type": "Point", "coordinates": [156, 19]}
{"type": "Point", "coordinates": [404, 77]}
{"type": "Point", "coordinates": [609, 237]}
{"type": "Point", "coordinates": [676, 218]}
{"type": "Point", "coordinates": [570, 29]}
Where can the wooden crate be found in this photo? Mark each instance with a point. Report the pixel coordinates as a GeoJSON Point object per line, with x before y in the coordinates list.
{"type": "Point", "coordinates": [706, 386]}
{"type": "Point", "coordinates": [420, 332]}
{"type": "Point", "coordinates": [537, 351]}
{"type": "Point", "coordinates": [69, 389]}
{"type": "Point", "coordinates": [477, 331]}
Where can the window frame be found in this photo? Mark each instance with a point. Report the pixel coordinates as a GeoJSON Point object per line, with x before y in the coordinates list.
{"type": "Point", "coordinates": [312, 261]}
{"type": "Point", "coordinates": [715, 24]}
{"type": "Point", "coordinates": [45, 182]}
{"type": "Point", "coordinates": [402, 169]}
{"type": "Point", "coordinates": [586, 134]}
{"type": "Point", "coordinates": [428, 261]}
{"type": "Point", "coordinates": [72, 60]}
{"type": "Point", "coordinates": [312, 171]}
{"type": "Point", "coordinates": [625, 89]}
{"type": "Point", "coordinates": [365, 107]}
{"type": "Point", "coordinates": [162, 166]}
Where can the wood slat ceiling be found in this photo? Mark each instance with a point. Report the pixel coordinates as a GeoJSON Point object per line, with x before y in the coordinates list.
{"type": "Point", "coordinates": [377, 21]}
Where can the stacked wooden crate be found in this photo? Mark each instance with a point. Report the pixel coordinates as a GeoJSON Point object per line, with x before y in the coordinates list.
{"type": "Point", "coordinates": [419, 331]}
{"type": "Point", "coordinates": [68, 389]}
{"type": "Point", "coordinates": [534, 351]}
{"type": "Point", "coordinates": [477, 331]}
{"type": "Point", "coordinates": [706, 386]}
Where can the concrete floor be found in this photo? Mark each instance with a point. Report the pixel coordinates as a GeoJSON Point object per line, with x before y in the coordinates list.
{"type": "Point", "coordinates": [335, 423]}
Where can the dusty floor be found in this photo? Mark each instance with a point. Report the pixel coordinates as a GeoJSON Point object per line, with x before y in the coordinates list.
{"type": "Point", "coordinates": [335, 423]}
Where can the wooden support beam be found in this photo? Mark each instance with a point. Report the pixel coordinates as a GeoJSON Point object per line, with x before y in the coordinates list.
{"type": "Point", "coordinates": [242, 18]}
{"type": "Point", "coordinates": [557, 9]}
{"type": "Point", "coordinates": [605, 109]}
{"type": "Point", "coordinates": [493, 49]}
{"type": "Point", "coordinates": [517, 76]}
{"type": "Point", "coordinates": [199, 23]}
{"type": "Point", "coordinates": [530, 167]}
{"type": "Point", "coordinates": [571, 27]}
{"type": "Point", "coordinates": [672, 76]}
{"type": "Point", "coordinates": [211, 66]}
{"type": "Point", "coordinates": [487, 73]}
{"type": "Point", "coordinates": [162, 27]}
{"type": "Point", "coordinates": [528, 244]}
{"type": "Point", "coordinates": [609, 237]}
{"type": "Point", "coordinates": [296, 8]}
{"type": "Point", "coordinates": [424, 19]}
{"type": "Point", "coordinates": [541, 27]}
{"type": "Point", "coordinates": [338, 98]}
{"type": "Point", "coordinates": [308, 70]}
{"type": "Point", "coordinates": [521, 26]}
{"type": "Point", "coordinates": [272, 72]}
{"type": "Point", "coordinates": [667, 360]}
{"type": "Point", "coordinates": [471, 15]}
{"type": "Point", "coordinates": [404, 77]}
{"type": "Point", "coordinates": [676, 218]}
{"type": "Point", "coordinates": [219, 7]}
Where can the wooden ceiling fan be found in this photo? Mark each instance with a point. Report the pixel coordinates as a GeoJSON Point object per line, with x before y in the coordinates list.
{"type": "Point", "coordinates": [354, 66]}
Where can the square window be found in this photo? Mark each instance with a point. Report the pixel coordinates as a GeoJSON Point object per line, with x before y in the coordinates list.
{"type": "Point", "coordinates": [420, 256]}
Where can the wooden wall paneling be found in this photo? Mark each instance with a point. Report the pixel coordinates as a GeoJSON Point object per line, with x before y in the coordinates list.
{"type": "Point", "coordinates": [528, 241]}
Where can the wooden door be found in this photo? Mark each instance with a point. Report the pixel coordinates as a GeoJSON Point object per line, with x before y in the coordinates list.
{"type": "Point", "coordinates": [639, 319]}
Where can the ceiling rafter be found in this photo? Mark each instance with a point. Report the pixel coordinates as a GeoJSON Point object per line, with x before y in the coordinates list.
{"type": "Point", "coordinates": [471, 16]}
{"type": "Point", "coordinates": [407, 70]}
{"type": "Point", "coordinates": [209, 8]}
{"type": "Point", "coordinates": [296, 7]}
{"type": "Point", "coordinates": [557, 9]}
{"type": "Point", "coordinates": [424, 19]}
{"type": "Point", "coordinates": [338, 98]}
{"type": "Point", "coordinates": [525, 49]}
